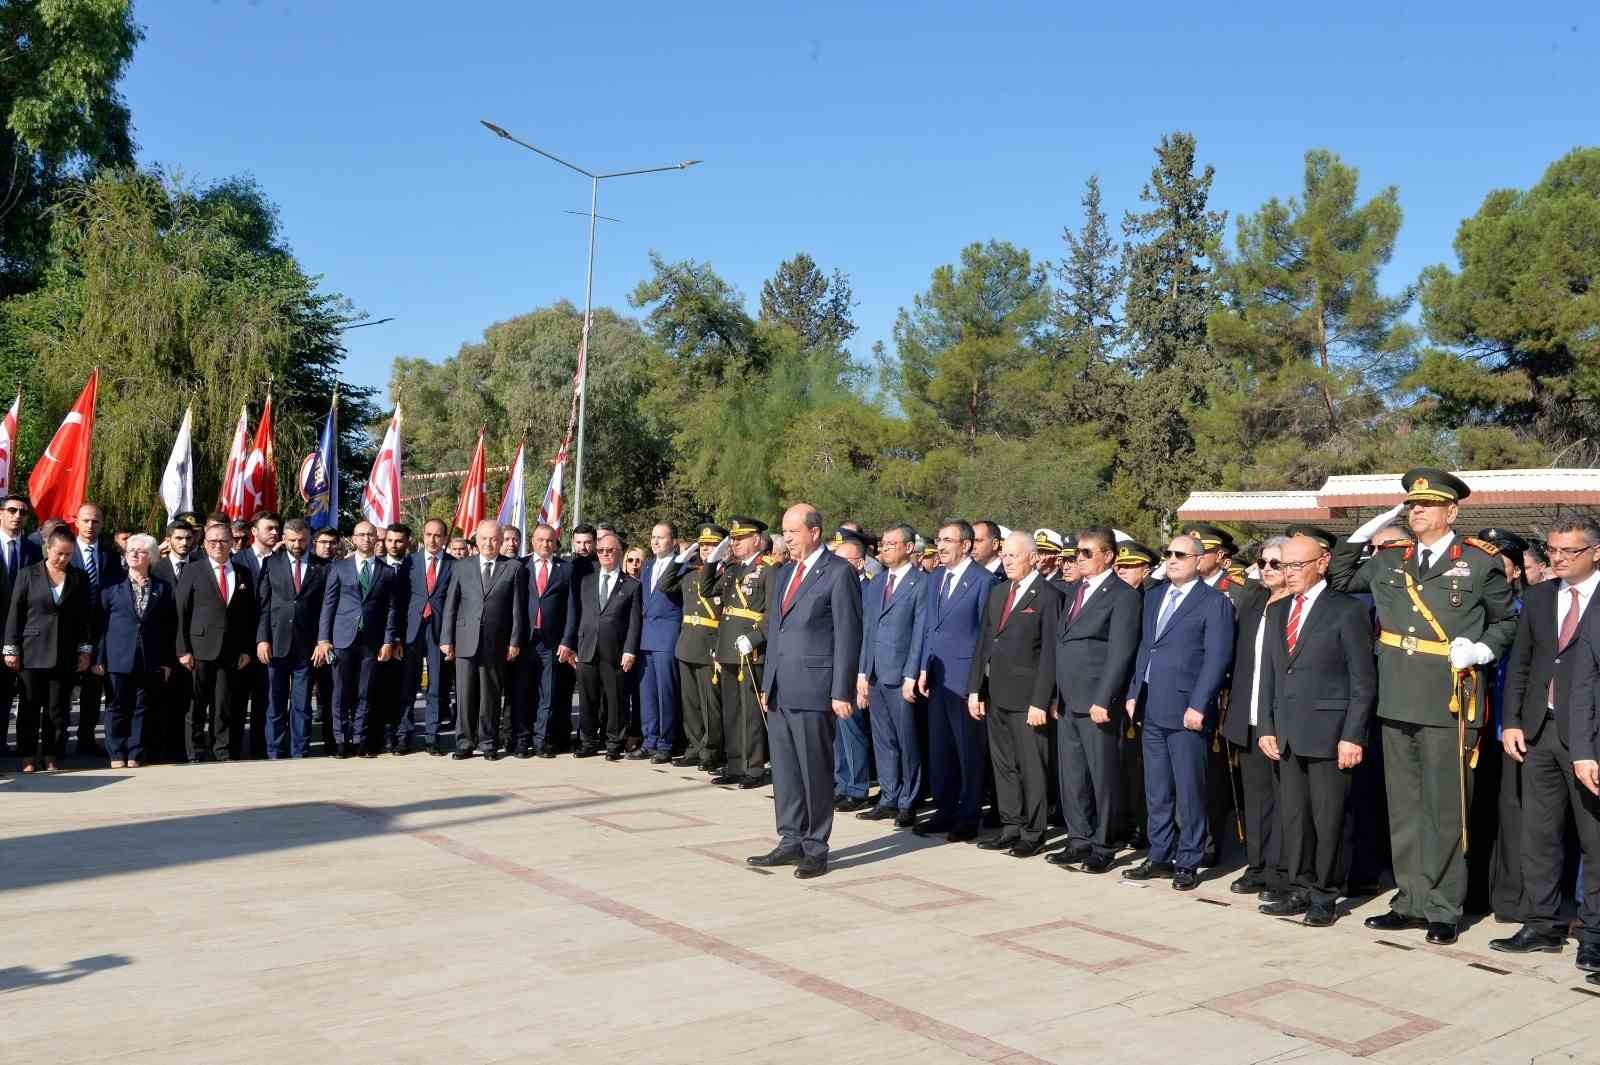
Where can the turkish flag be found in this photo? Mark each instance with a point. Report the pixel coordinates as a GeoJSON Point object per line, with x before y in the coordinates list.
{"type": "Point", "coordinates": [469, 509]}
{"type": "Point", "coordinates": [61, 475]}
{"type": "Point", "coordinates": [260, 477]}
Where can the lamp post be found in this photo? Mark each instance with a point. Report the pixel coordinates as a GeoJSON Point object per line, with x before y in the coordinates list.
{"type": "Point", "coordinates": [588, 286]}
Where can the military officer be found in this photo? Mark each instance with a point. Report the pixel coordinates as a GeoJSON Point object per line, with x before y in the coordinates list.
{"type": "Point", "coordinates": [1133, 566]}
{"type": "Point", "coordinates": [1047, 554]}
{"type": "Point", "coordinates": [693, 577]}
{"type": "Point", "coordinates": [1445, 612]}
{"type": "Point", "coordinates": [1496, 874]}
{"type": "Point", "coordinates": [740, 592]}
{"type": "Point", "coordinates": [1067, 572]}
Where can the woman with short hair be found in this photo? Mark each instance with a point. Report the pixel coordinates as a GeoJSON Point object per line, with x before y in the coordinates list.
{"type": "Point", "coordinates": [49, 641]}
{"type": "Point", "coordinates": [137, 650]}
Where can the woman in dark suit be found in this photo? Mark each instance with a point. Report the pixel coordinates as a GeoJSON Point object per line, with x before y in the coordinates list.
{"type": "Point", "coordinates": [137, 649]}
{"type": "Point", "coordinates": [48, 637]}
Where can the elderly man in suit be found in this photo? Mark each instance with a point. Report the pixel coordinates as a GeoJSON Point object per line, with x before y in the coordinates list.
{"type": "Point", "coordinates": [947, 636]}
{"type": "Point", "coordinates": [289, 598]}
{"type": "Point", "coordinates": [658, 640]}
{"type": "Point", "coordinates": [548, 594]}
{"type": "Point", "coordinates": [483, 632]}
{"type": "Point", "coordinates": [1319, 687]}
{"type": "Point", "coordinates": [813, 644]}
{"type": "Point", "coordinates": [1011, 685]}
{"type": "Point", "coordinates": [216, 628]}
{"type": "Point", "coordinates": [605, 631]}
{"type": "Point", "coordinates": [17, 553]}
{"type": "Point", "coordinates": [1184, 655]}
{"type": "Point", "coordinates": [428, 581]}
{"type": "Point", "coordinates": [1096, 639]}
{"type": "Point", "coordinates": [886, 678]}
{"type": "Point", "coordinates": [96, 556]}
{"type": "Point", "coordinates": [359, 627]}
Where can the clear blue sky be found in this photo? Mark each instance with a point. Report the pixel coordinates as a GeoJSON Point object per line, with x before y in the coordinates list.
{"type": "Point", "coordinates": [879, 137]}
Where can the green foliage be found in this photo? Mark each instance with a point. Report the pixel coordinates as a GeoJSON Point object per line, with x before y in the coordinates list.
{"type": "Point", "coordinates": [816, 307]}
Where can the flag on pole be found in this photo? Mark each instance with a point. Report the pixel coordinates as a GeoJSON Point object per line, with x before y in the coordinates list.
{"type": "Point", "coordinates": [259, 481]}
{"type": "Point", "coordinates": [551, 510]}
{"type": "Point", "coordinates": [8, 442]}
{"type": "Point", "coordinates": [177, 482]}
{"type": "Point", "coordinates": [380, 501]}
{"type": "Point", "coordinates": [231, 499]}
{"type": "Point", "coordinates": [59, 478]}
{"type": "Point", "coordinates": [474, 494]}
{"type": "Point", "coordinates": [319, 474]}
{"type": "Point", "coordinates": [514, 504]}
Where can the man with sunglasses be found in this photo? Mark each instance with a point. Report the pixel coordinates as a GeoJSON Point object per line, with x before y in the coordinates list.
{"type": "Point", "coordinates": [1445, 612]}
{"type": "Point", "coordinates": [17, 552]}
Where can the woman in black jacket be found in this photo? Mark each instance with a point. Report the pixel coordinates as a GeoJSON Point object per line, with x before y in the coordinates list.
{"type": "Point", "coordinates": [49, 639]}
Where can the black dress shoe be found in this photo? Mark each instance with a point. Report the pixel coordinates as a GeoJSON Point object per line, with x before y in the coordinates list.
{"type": "Point", "coordinates": [615, 756]}
{"type": "Point", "coordinates": [1271, 895]}
{"type": "Point", "coordinates": [342, 752]}
{"type": "Point", "coordinates": [437, 752]}
{"type": "Point", "coordinates": [1096, 863]}
{"type": "Point", "coordinates": [776, 856]}
{"type": "Point", "coordinates": [524, 752]}
{"type": "Point", "coordinates": [1068, 855]}
{"type": "Point", "coordinates": [905, 819]}
{"type": "Point", "coordinates": [877, 813]}
{"type": "Point", "coordinates": [846, 804]}
{"type": "Point", "coordinates": [1527, 940]}
{"type": "Point", "coordinates": [726, 779]}
{"type": "Point", "coordinates": [1589, 959]}
{"type": "Point", "coordinates": [1248, 884]}
{"type": "Point", "coordinates": [936, 826]}
{"type": "Point", "coordinates": [963, 833]}
{"type": "Point", "coordinates": [1441, 933]}
{"type": "Point", "coordinates": [747, 783]}
{"type": "Point", "coordinates": [997, 843]}
{"type": "Point", "coordinates": [1185, 879]}
{"type": "Point", "coordinates": [370, 754]}
{"type": "Point", "coordinates": [491, 756]}
{"type": "Point", "coordinates": [1148, 870]}
{"type": "Point", "coordinates": [660, 758]}
{"type": "Point", "coordinates": [686, 762]}
{"type": "Point", "coordinates": [1291, 905]}
{"type": "Point", "coordinates": [458, 755]}
{"type": "Point", "coordinates": [638, 754]}
{"type": "Point", "coordinates": [1393, 922]}
{"type": "Point", "coordinates": [547, 752]}
{"type": "Point", "coordinates": [811, 868]}
{"type": "Point", "coordinates": [1138, 840]}
{"type": "Point", "coordinates": [1320, 915]}
{"type": "Point", "coordinates": [1022, 849]}
{"type": "Point", "coordinates": [586, 752]}
{"type": "Point", "coordinates": [402, 749]}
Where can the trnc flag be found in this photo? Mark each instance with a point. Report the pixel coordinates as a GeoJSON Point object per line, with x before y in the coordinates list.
{"type": "Point", "coordinates": [231, 499]}
{"type": "Point", "coordinates": [319, 474]}
{"type": "Point", "coordinates": [554, 506]}
{"type": "Point", "coordinates": [260, 478]}
{"type": "Point", "coordinates": [380, 501]}
{"type": "Point", "coordinates": [474, 494]}
{"type": "Point", "coordinates": [61, 475]}
{"type": "Point", "coordinates": [514, 504]}
{"type": "Point", "coordinates": [8, 442]}
{"type": "Point", "coordinates": [177, 482]}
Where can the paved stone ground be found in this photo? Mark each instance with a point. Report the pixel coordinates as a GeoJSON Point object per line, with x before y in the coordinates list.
{"type": "Point", "coordinates": [430, 911]}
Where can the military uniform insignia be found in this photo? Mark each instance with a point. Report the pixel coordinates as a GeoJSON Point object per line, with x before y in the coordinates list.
{"type": "Point", "coordinates": [1482, 545]}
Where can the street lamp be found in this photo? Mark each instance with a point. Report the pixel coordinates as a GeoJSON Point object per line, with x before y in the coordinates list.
{"type": "Point", "coordinates": [588, 286]}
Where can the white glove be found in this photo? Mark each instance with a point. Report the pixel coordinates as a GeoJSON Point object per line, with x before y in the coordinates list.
{"type": "Point", "coordinates": [721, 551]}
{"type": "Point", "coordinates": [1363, 534]}
{"type": "Point", "coordinates": [687, 553]}
{"type": "Point", "coordinates": [1464, 654]}
{"type": "Point", "coordinates": [744, 645]}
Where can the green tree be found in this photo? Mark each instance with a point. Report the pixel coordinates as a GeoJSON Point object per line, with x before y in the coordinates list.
{"type": "Point", "coordinates": [806, 300]}
{"type": "Point", "coordinates": [1088, 285]}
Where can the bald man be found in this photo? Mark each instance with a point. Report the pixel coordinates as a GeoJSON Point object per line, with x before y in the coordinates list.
{"type": "Point", "coordinates": [360, 627]}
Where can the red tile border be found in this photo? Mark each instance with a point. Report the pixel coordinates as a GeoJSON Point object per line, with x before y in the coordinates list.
{"type": "Point", "coordinates": [756, 845]}
{"type": "Point", "coordinates": [1411, 1026]}
{"type": "Point", "coordinates": [610, 820]}
{"type": "Point", "coordinates": [1151, 951]}
{"type": "Point", "coordinates": [535, 800]}
{"type": "Point", "coordinates": [957, 897]}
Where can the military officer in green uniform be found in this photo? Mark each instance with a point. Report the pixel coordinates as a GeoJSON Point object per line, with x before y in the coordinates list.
{"type": "Point", "coordinates": [741, 594]}
{"type": "Point", "coordinates": [693, 576]}
{"type": "Point", "coordinates": [1445, 613]}
{"type": "Point", "coordinates": [1134, 565]}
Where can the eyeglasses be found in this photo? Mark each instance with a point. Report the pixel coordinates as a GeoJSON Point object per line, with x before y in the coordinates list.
{"type": "Point", "coordinates": [1569, 552]}
{"type": "Point", "coordinates": [1176, 555]}
{"type": "Point", "coordinates": [1271, 563]}
{"type": "Point", "coordinates": [605, 551]}
{"type": "Point", "coordinates": [1087, 552]}
{"type": "Point", "coordinates": [1296, 567]}
{"type": "Point", "coordinates": [16, 510]}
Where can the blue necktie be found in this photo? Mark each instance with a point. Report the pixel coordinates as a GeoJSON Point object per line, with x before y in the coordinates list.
{"type": "Point", "coordinates": [1166, 610]}
{"type": "Point", "coordinates": [90, 568]}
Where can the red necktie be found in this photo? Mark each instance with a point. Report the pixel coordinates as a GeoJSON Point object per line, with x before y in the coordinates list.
{"type": "Point", "coordinates": [888, 590]}
{"type": "Point", "coordinates": [432, 579]}
{"type": "Point", "coordinates": [794, 586]}
{"type": "Point", "coordinates": [541, 575]}
{"type": "Point", "coordinates": [1292, 635]}
{"type": "Point", "coordinates": [222, 582]}
{"type": "Point", "coordinates": [1005, 611]}
{"type": "Point", "coordinates": [297, 575]}
{"type": "Point", "coordinates": [1077, 602]}
{"type": "Point", "coordinates": [1569, 629]}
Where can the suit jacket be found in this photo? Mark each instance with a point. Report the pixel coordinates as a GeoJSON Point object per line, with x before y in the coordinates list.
{"type": "Point", "coordinates": [287, 619]}
{"type": "Point", "coordinates": [209, 629]}
{"type": "Point", "coordinates": [1235, 724]}
{"type": "Point", "coordinates": [949, 627]}
{"type": "Point", "coordinates": [1189, 660]}
{"type": "Point", "coordinates": [1326, 690]}
{"type": "Point", "coordinates": [47, 634]}
{"type": "Point", "coordinates": [814, 647]}
{"type": "Point", "coordinates": [28, 552]}
{"type": "Point", "coordinates": [1015, 664]}
{"type": "Point", "coordinates": [484, 622]}
{"type": "Point", "coordinates": [247, 558]}
{"type": "Point", "coordinates": [417, 597]}
{"type": "Point", "coordinates": [889, 653]}
{"type": "Point", "coordinates": [1536, 659]}
{"type": "Point", "coordinates": [128, 642]}
{"type": "Point", "coordinates": [662, 609]}
{"type": "Point", "coordinates": [555, 612]}
{"type": "Point", "coordinates": [1095, 651]}
{"type": "Point", "coordinates": [349, 615]}
{"type": "Point", "coordinates": [606, 633]}
{"type": "Point", "coordinates": [163, 567]}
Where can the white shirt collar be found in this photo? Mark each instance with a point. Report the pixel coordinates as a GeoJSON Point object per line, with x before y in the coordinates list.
{"type": "Point", "coordinates": [1311, 597]}
{"type": "Point", "coordinates": [993, 565]}
{"type": "Point", "coordinates": [359, 558]}
{"type": "Point", "coordinates": [1585, 587]}
{"type": "Point", "coordinates": [1439, 547]}
{"type": "Point", "coordinates": [900, 571]}
{"type": "Point", "coordinates": [1092, 584]}
{"type": "Point", "coordinates": [811, 559]}
{"type": "Point", "coordinates": [960, 568]}
{"type": "Point", "coordinates": [1215, 577]}
{"type": "Point", "coordinates": [1024, 584]}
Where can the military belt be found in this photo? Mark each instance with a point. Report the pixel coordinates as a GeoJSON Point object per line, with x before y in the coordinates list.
{"type": "Point", "coordinates": [1413, 645]}
{"type": "Point", "coordinates": [741, 612]}
{"type": "Point", "coordinates": [705, 623]}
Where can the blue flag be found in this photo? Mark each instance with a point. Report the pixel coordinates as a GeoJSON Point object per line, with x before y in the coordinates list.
{"type": "Point", "coordinates": [319, 475]}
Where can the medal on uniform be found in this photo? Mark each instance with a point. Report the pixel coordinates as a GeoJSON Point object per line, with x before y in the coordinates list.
{"type": "Point", "coordinates": [1455, 599]}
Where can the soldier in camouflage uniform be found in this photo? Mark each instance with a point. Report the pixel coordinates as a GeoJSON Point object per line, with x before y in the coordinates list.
{"type": "Point", "coordinates": [702, 708]}
{"type": "Point", "coordinates": [740, 593]}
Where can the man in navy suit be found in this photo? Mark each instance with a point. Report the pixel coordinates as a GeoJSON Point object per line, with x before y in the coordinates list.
{"type": "Point", "coordinates": [359, 628]}
{"type": "Point", "coordinates": [428, 580]}
{"type": "Point", "coordinates": [255, 698]}
{"type": "Point", "coordinates": [1184, 656]}
{"type": "Point", "coordinates": [392, 716]}
{"type": "Point", "coordinates": [886, 678]}
{"type": "Point", "coordinates": [658, 640]}
{"type": "Point", "coordinates": [550, 587]}
{"type": "Point", "coordinates": [813, 644]}
{"type": "Point", "coordinates": [947, 633]}
{"type": "Point", "coordinates": [17, 553]}
{"type": "Point", "coordinates": [97, 558]}
{"type": "Point", "coordinates": [289, 596]}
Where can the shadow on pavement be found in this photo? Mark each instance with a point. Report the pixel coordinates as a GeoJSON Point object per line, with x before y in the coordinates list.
{"type": "Point", "coordinates": [25, 976]}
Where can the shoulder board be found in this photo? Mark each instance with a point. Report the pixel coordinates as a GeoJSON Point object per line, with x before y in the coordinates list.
{"type": "Point", "coordinates": [768, 559]}
{"type": "Point", "coordinates": [1225, 583]}
{"type": "Point", "coordinates": [1482, 545]}
{"type": "Point", "coordinates": [1395, 543]}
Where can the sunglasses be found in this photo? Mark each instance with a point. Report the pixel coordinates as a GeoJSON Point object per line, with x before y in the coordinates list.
{"type": "Point", "coordinates": [1176, 555]}
{"type": "Point", "coordinates": [1086, 552]}
{"type": "Point", "coordinates": [16, 510]}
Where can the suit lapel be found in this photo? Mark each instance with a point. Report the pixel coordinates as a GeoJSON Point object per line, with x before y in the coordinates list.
{"type": "Point", "coordinates": [1018, 604]}
{"type": "Point", "coordinates": [909, 586]}
{"type": "Point", "coordinates": [1184, 606]}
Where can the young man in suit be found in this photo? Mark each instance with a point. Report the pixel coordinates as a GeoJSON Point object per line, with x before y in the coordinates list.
{"type": "Point", "coordinates": [662, 618]}
{"type": "Point", "coordinates": [216, 631]}
{"type": "Point", "coordinates": [483, 632]}
{"type": "Point", "coordinates": [17, 553]}
{"type": "Point", "coordinates": [393, 713]}
{"type": "Point", "coordinates": [947, 638]}
{"type": "Point", "coordinates": [891, 608]}
{"type": "Point", "coordinates": [289, 599]}
{"type": "Point", "coordinates": [1184, 653]}
{"type": "Point", "coordinates": [1097, 638]}
{"type": "Point", "coordinates": [1319, 687]}
{"type": "Point", "coordinates": [359, 627]}
{"type": "Point", "coordinates": [428, 581]}
{"type": "Point", "coordinates": [605, 631]}
{"type": "Point", "coordinates": [1011, 685]}
{"type": "Point", "coordinates": [255, 698]}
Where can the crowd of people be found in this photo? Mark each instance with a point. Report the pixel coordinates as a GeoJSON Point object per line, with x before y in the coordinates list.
{"type": "Point", "coordinates": [1406, 700]}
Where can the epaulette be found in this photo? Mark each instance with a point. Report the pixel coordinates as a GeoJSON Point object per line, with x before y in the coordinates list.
{"type": "Point", "coordinates": [1395, 543]}
{"type": "Point", "coordinates": [1482, 545]}
{"type": "Point", "coordinates": [769, 560]}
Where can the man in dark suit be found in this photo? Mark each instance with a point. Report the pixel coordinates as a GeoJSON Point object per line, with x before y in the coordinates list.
{"type": "Point", "coordinates": [98, 558]}
{"type": "Point", "coordinates": [947, 637]}
{"type": "Point", "coordinates": [1319, 687]}
{"type": "Point", "coordinates": [541, 718]}
{"type": "Point", "coordinates": [1551, 681]}
{"type": "Point", "coordinates": [428, 579]}
{"type": "Point", "coordinates": [393, 713]}
{"type": "Point", "coordinates": [255, 699]}
{"type": "Point", "coordinates": [166, 736]}
{"type": "Point", "coordinates": [605, 632]}
{"type": "Point", "coordinates": [1184, 654]}
{"type": "Point", "coordinates": [886, 680]}
{"type": "Point", "coordinates": [359, 627]}
{"type": "Point", "coordinates": [216, 629]}
{"type": "Point", "coordinates": [813, 644]}
{"type": "Point", "coordinates": [482, 632]}
{"type": "Point", "coordinates": [662, 616]}
{"type": "Point", "coordinates": [1014, 675]}
{"type": "Point", "coordinates": [289, 598]}
{"type": "Point", "coordinates": [1097, 638]}
{"type": "Point", "coordinates": [17, 553]}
